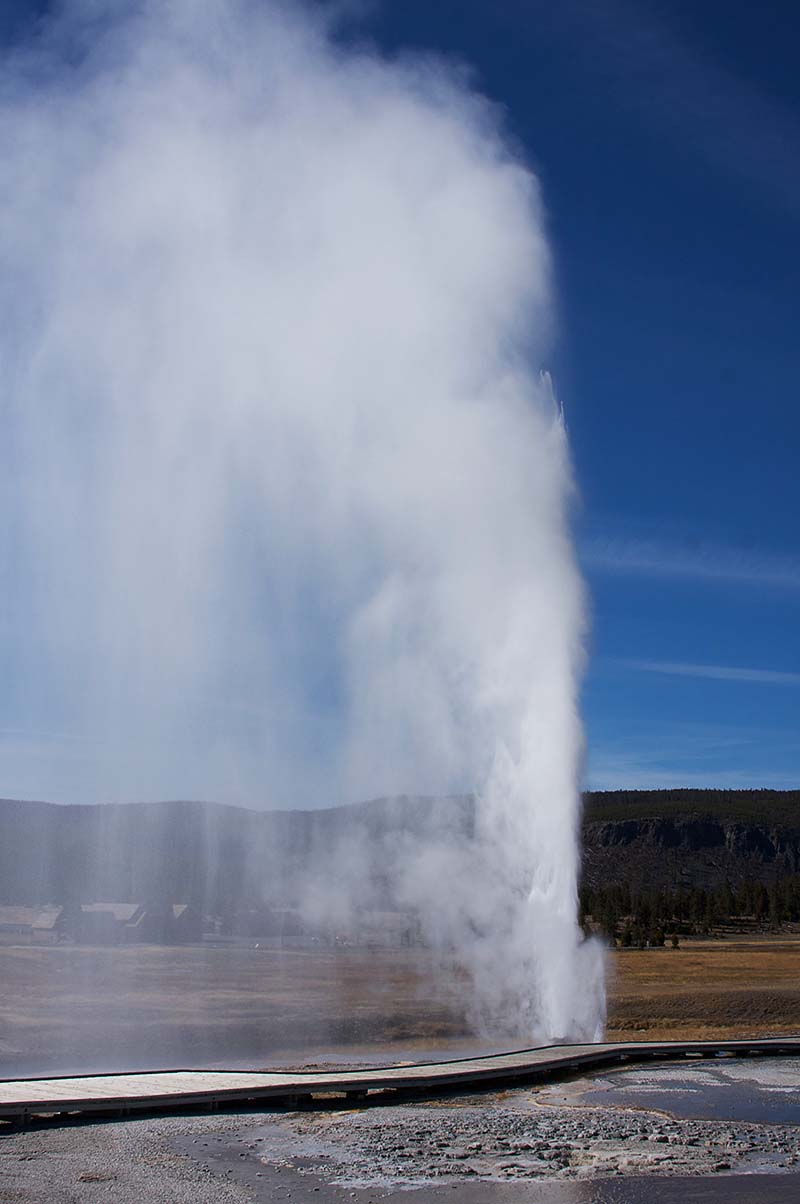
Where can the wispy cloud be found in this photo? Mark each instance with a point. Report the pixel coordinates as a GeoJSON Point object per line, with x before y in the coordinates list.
{"type": "Point", "coordinates": [769, 677]}
{"type": "Point", "coordinates": [702, 563]}
{"type": "Point", "coordinates": [655, 754]}
{"type": "Point", "coordinates": [680, 87]}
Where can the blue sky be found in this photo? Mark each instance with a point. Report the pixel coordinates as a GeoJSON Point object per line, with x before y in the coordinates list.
{"type": "Point", "coordinates": [667, 139]}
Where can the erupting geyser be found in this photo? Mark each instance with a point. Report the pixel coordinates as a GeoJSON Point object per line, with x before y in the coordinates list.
{"type": "Point", "coordinates": [286, 494]}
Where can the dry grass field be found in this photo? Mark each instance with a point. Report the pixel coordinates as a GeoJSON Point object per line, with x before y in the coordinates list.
{"type": "Point", "coordinates": [69, 1008]}
{"type": "Point", "coordinates": [738, 986]}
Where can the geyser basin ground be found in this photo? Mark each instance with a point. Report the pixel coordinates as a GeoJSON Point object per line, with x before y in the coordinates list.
{"type": "Point", "coordinates": [514, 1148]}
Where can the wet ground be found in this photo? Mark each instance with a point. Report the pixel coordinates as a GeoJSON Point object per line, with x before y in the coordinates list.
{"type": "Point", "coordinates": [743, 1090]}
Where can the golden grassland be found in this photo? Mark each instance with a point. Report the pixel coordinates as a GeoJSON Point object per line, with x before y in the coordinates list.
{"type": "Point", "coordinates": [71, 1008]}
{"type": "Point", "coordinates": [738, 986]}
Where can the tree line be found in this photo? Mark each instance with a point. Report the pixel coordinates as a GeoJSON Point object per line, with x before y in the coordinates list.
{"type": "Point", "coordinates": [639, 918]}
{"type": "Point", "coordinates": [770, 807]}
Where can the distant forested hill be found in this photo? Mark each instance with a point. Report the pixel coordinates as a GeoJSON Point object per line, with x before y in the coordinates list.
{"type": "Point", "coordinates": [224, 858]}
{"type": "Point", "coordinates": [218, 857]}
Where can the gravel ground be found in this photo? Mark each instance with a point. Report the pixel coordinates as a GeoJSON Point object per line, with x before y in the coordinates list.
{"type": "Point", "coordinates": [500, 1147]}
{"type": "Point", "coordinates": [514, 1137]}
{"type": "Point", "coordinates": [130, 1162]}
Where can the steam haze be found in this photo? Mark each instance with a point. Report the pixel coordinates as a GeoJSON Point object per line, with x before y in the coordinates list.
{"type": "Point", "coordinates": [285, 501]}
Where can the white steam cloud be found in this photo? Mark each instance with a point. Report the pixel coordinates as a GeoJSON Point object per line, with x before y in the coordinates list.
{"type": "Point", "coordinates": [285, 502]}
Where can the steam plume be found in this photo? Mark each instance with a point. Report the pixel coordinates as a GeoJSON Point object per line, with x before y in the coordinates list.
{"type": "Point", "coordinates": [285, 498]}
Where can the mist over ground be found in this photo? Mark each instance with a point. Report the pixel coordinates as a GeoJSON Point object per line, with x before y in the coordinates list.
{"type": "Point", "coordinates": [286, 493]}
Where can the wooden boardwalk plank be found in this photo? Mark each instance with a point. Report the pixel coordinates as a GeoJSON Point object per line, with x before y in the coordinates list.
{"type": "Point", "coordinates": [21, 1098]}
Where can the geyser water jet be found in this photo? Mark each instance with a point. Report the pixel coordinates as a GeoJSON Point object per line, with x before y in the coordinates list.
{"type": "Point", "coordinates": [286, 496]}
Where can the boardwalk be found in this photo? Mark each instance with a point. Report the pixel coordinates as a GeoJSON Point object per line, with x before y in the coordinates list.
{"type": "Point", "coordinates": [122, 1094]}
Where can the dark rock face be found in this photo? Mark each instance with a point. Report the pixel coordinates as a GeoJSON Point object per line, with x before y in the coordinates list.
{"type": "Point", "coordinates": [768, 844]}
{"type": "Point", "coordinates": [690, 851]}
{"type": "Point", "coordinates": [690, 838]}
{"type": "Point", "coordinates": [659, 833]}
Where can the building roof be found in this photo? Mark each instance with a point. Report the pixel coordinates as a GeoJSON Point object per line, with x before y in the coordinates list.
{"type": "Point", "coordinates": [47, 918]}
{"type": "Point", "coordinates": [29, 917]}
{"type": "Point", "coordinates": [123, 912]}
